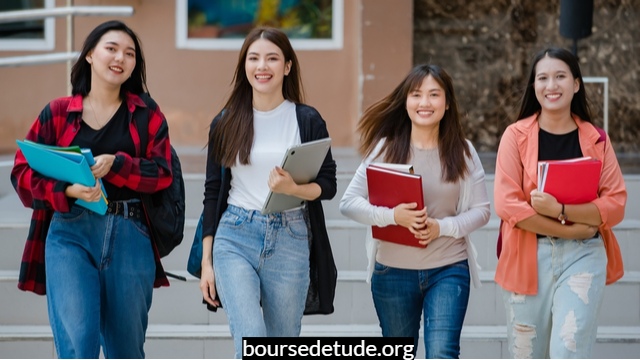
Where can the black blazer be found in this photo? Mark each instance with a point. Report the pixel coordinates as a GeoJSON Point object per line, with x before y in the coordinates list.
{"type": "Point", "coordinates": [322, 269]}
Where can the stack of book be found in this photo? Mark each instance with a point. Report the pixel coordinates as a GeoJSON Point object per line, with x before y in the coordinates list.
{"type": "Point", "coordinates": [390, 185]}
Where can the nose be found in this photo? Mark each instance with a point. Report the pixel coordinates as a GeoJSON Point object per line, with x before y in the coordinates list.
{"type": "Point", "coordinates": [262, 64]}
{"type": "Point", "coordinates": [425, 101]}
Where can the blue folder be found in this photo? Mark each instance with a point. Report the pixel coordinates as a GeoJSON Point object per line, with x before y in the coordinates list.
{"type": "Point", "coordinates": [70, 164]}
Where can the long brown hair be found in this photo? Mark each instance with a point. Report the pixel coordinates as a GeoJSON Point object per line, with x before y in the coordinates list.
{"type": "Point", "coordinates": [388, 119]}
{"type": "Point", "coordinates": [233, 135]}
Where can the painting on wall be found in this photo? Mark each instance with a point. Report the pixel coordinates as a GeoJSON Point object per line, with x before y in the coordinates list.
{"type": "Point", "coordinates": [223, 24]}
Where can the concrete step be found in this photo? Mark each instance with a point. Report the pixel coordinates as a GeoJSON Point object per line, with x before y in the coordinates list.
{"type": "Point", "coordinates": [214, 341]}
{"type": "Point", "coordinates": [180, 304]}
{"type": "Point", "coordinates": [347, 240]}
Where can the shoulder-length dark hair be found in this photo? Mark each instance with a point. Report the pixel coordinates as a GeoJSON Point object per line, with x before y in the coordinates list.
{"type": "Point", "coordinates": [529, 104]}
{"type": "Point", "coordinates": [233, 135]}
{"type": "Point", "coordinates": [388, 119]}
{"type": "Point", "coordinates": [81, 70]}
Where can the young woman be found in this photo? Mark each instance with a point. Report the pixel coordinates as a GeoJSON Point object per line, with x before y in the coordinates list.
{"type": "Point", "coordinates": [553, 274]}
{"type": "Point", "coordinates": [100, 269]}
{"type": "Point", "coordinates": [282, 260]}
{"type": "Point", "coordinates": [418, 123]}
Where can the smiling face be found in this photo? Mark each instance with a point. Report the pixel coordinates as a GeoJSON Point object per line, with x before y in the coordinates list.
{"type": "Point", "coordinates": [554, 84]}
{"type": "Point", "coordinates": [266, 67]}
{"type": "Point", "coordinates": [113, 59]}
{"type": "Point", "coordinates": [427, 104]}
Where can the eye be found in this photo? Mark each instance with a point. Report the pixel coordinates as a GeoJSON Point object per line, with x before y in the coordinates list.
{"type": "Point", "coordinates": [133, 55]}
{"type": "Point", "coordinates": [561, 76]}
{"type": "Point", "coordinates": [110, 48]}
{"type": "Point", "coordinates": [435, 95]}
{"type": "Point", "coordinates": [542, 78]}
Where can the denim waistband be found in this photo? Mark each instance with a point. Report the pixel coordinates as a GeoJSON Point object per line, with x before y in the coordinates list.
{"type": "Point", "coordinates": [289, 215]}
{"type": "Point", "coordinates": [540, 236]}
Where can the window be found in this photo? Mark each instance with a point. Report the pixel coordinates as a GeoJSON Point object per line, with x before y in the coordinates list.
{"type": "Point", "coordinates": [27, 35]}
{"type": "Point", "coordinates": [223, 24]}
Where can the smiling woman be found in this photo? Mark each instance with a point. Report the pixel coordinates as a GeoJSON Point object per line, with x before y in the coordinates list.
{"type": "Point", "coordinates": [418, 124]}
{"type": "Point", "coordinates": [265, 270]}
{"type": "Point", "coordinates": [545, 264]}
{"type": "Point", "coordinates": [100, 269]}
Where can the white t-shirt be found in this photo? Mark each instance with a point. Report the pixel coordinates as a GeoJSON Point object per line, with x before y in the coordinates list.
{"type": "Point", "coordinates": [274, 132]}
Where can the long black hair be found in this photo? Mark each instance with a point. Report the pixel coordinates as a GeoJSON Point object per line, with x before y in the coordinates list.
{"type": "Point", "coordinates": [81, 70]}
{"type": "Point", "coordinates": [529, 104]}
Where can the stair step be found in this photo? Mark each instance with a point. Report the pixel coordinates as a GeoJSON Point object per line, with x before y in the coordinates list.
{"type": "Point", "coordinates": [180, 303]}
{"type": "Point", "coordinates": [214, 341]}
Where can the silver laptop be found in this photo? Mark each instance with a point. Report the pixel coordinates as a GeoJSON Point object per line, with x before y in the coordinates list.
{"type": "Point", "coordinates": [303, 162]}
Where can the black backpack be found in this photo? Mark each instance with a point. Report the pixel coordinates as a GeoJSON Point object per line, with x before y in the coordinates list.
{"type": "Point", "coordinates": [165, 208]}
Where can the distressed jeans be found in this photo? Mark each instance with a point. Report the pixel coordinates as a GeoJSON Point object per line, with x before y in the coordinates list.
{"type": "Point", "coordinates": [401, 296]}
{"type": "Point", "coordinates": [561, 321]}
{"type": "Point", "coordinates": [100, 273]}
{"type": "Point", "coordinates": [262, 260]}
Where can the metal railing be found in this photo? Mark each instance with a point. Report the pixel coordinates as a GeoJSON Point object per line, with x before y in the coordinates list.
{"type": "Point", "coordinates": [69, 12]}
{"type": "Point", "coordinates": [605, 81]}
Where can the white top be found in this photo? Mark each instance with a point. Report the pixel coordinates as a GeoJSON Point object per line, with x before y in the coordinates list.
{"type": "Point", "coordinates": [473, 210]}
{"type": "Point", "coordinates": [273, 133]}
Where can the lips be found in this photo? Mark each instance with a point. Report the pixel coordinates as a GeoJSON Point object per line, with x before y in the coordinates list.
{"type": "Point", "coordinates": [263, 77]}
{"type": "Point", "coordinates": [553, 97]}
{"type": "Point", "coordinates": [116, 69]}
{"type": "Point", "coordinates": [425, 112]}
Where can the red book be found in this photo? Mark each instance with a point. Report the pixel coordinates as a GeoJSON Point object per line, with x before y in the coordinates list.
{"type": "Point", "coordinates": [390, 188]}
{"type": "Point", "coordinates": [572, 181]}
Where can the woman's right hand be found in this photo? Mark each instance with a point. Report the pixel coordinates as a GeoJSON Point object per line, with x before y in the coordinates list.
{"type": "Point", "coordinates": [86, 193]}
{"type": "Point", "coordinates": [406, 216]}
{"type": "Point", "coordinates": [208, 285]}
{"type": "Point", "coordinates": [582, 231]}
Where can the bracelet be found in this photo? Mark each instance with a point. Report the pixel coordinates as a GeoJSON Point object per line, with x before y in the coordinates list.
{"type": "Point", "coordinates": [562, 217]}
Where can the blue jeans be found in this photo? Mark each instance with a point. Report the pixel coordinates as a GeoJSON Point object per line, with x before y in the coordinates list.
{"type": "Point", "coordinates": [262, 259]}
{"type": "Point", "coordinates": [400, 296]}
{"type": "Point", "coordinates": [100, 273]}
{"type": "Point", "coordinates": [561, 321]}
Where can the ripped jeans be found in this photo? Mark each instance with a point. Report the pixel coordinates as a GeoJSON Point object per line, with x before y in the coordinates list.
{"type": "Point", "coordinates": [561, 321]}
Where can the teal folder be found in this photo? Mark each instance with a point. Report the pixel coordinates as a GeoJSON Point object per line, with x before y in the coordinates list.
{"type": "Point", "coordinates": [70, 164]}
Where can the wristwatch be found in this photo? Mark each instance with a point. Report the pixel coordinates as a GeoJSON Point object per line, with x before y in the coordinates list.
{"type": "Point", "coordinates": [562, 217]}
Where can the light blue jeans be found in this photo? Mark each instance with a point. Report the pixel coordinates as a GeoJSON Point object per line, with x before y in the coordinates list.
{"type": "Point", "coordinates": [100, 273]}
{"type": "Point", "coordinates": [561, 321]}
{"type": "Point", "coordinates": [262, 259]}
{"type": "Point", "coordinates": [402, 296]}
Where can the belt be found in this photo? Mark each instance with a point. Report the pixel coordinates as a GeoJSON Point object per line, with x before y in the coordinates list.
{"type": "Point", "coordinates": [134, 209]}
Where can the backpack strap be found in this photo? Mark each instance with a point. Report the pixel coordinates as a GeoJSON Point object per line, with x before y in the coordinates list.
{"type": "Point", "coordinates": [603, 136]}
{"type": "Point", "coordinates": [141, 117]}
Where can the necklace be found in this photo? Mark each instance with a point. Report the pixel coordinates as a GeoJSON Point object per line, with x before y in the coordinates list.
{"type": "Point", "coordinates": [95, 115]}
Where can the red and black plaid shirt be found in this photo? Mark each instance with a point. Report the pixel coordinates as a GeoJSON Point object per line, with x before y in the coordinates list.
{"type": "Point", "coordinates": [57, 125]}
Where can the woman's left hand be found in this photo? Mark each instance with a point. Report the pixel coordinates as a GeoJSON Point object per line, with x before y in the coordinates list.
{"type": "Point", "coordinates": [103, 165]}
{"type": "Point", "coordinates": [281, 182]}
{"type": "Point", "coordinates": [545, 204]}
{"type": "Point", "coordinates": [431, 232]}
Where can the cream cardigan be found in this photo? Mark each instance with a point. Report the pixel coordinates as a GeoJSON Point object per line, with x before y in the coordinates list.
{"type": "Point", "coordinates": [473, 210]}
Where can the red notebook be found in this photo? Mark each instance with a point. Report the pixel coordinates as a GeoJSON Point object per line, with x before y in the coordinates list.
{"type": "Point", "coordinates": [390, 188]}
{"type": "Point", "coordinates": [572, 181]}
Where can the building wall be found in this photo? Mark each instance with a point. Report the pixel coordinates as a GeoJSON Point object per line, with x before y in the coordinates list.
{"type": "Point", "coordinates": [191, 86]}
{"type": "Point", "coordinates": [486, 46]}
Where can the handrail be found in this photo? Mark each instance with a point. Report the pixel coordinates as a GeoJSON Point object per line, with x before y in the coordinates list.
{"type": "Point", "coordinates": [37, 14]}
{"type": "Point", "coordinates": [42, 59]}
{"type": "Point", "coordinates": [605, 82]}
